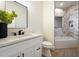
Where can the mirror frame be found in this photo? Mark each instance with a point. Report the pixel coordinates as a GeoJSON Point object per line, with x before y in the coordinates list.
{"type": "Point", "coordinates": [26, 12]}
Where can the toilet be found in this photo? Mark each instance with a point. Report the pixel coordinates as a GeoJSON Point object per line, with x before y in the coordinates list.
{"type": "Point", "coordinates": [47, 46]}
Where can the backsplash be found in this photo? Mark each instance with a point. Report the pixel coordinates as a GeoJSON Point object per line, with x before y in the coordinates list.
{"type": "Point", "coordinates": [11, 30]}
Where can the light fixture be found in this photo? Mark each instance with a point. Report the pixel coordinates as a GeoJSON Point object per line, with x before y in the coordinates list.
{"type": "Point", "coordinates": [61, 4]}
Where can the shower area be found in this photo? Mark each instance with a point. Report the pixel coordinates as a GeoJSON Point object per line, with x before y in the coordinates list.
{"type": "Point", "coordinates": [66, 24]}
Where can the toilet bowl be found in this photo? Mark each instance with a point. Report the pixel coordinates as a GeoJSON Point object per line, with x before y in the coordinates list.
{"type": "Point", "coordinates": [47, 46]}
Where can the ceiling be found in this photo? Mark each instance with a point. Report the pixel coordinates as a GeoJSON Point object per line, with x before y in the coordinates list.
{"type": "Point", "coordinates": [66, 4]}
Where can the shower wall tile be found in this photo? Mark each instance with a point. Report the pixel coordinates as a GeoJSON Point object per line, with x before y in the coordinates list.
{"type": "Point", "coordinates": [65, 23]}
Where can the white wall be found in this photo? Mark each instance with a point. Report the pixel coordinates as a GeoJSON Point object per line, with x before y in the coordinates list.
{"type": "Point", "coordinates": [35, 16]}
{"type": "Point", "coordinates": [48, 21]}
{"type": "Point", "coordinates": [41, 18]}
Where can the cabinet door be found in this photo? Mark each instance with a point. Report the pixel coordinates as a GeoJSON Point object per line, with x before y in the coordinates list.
{"type": "Point", "coordinates": [16, 55]}
{"type": "Point", "coordinates": [38, 50]}
{"type": "Point", "coordinates": [32, 48]}
{"type": "Point", "coordinates": [28, 52]}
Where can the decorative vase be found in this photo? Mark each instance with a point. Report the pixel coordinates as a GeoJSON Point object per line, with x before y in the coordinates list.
{"type": "Point", "coordinates": [3, 30]}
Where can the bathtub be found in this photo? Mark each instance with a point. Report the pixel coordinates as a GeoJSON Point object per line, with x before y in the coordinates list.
{"type": "Point", "coordinates": [65, 42]}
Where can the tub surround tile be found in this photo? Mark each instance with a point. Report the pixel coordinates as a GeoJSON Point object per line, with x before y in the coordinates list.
{"type": "Point", "coordinates": [65, 23]}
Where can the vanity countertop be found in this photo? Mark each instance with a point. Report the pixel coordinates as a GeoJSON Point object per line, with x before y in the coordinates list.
{"type": "Point", "coordinates": [16, 39]}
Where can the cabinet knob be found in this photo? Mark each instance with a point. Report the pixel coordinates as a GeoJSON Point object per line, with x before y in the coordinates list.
{"type": "Point", "coordinates": [18, 56]}
{"type": "Point", "coordinates": [38, 49]}
{"type": "Point", "coordinates": [22, 54]}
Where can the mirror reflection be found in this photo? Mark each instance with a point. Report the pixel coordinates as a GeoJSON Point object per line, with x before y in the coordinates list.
{"type": "Point", "coordinates": [22, 14]}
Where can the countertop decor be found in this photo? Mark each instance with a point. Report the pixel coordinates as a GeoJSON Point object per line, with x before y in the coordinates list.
{"type": "Point", "coordinates": [6, 17]}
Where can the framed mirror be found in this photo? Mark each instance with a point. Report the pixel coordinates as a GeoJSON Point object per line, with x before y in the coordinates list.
{"type": "Point", "coordinates": [21, 21]}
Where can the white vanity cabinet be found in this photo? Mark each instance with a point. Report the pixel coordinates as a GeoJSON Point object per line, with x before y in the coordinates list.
{"type": "Point", "coordinates": [27, 48]}
{"type": "Point", "coordinates": [32, 51]}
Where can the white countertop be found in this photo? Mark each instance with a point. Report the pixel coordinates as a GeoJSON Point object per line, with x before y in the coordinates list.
{"type": "Point", "coordinates": [15, 39]}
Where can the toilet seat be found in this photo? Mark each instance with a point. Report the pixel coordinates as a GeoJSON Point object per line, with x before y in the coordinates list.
{"type": "Point", "coordinates": [47, 44]}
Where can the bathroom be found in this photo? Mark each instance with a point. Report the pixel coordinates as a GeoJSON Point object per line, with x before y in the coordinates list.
{"type": "Point", "coordinates": [38, 28]}
{"type": "Point", "coordinates": [66, 25]}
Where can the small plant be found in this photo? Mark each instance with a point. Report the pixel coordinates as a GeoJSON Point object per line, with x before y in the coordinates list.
{"type": "Point", "coordinates": [7, 17]}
